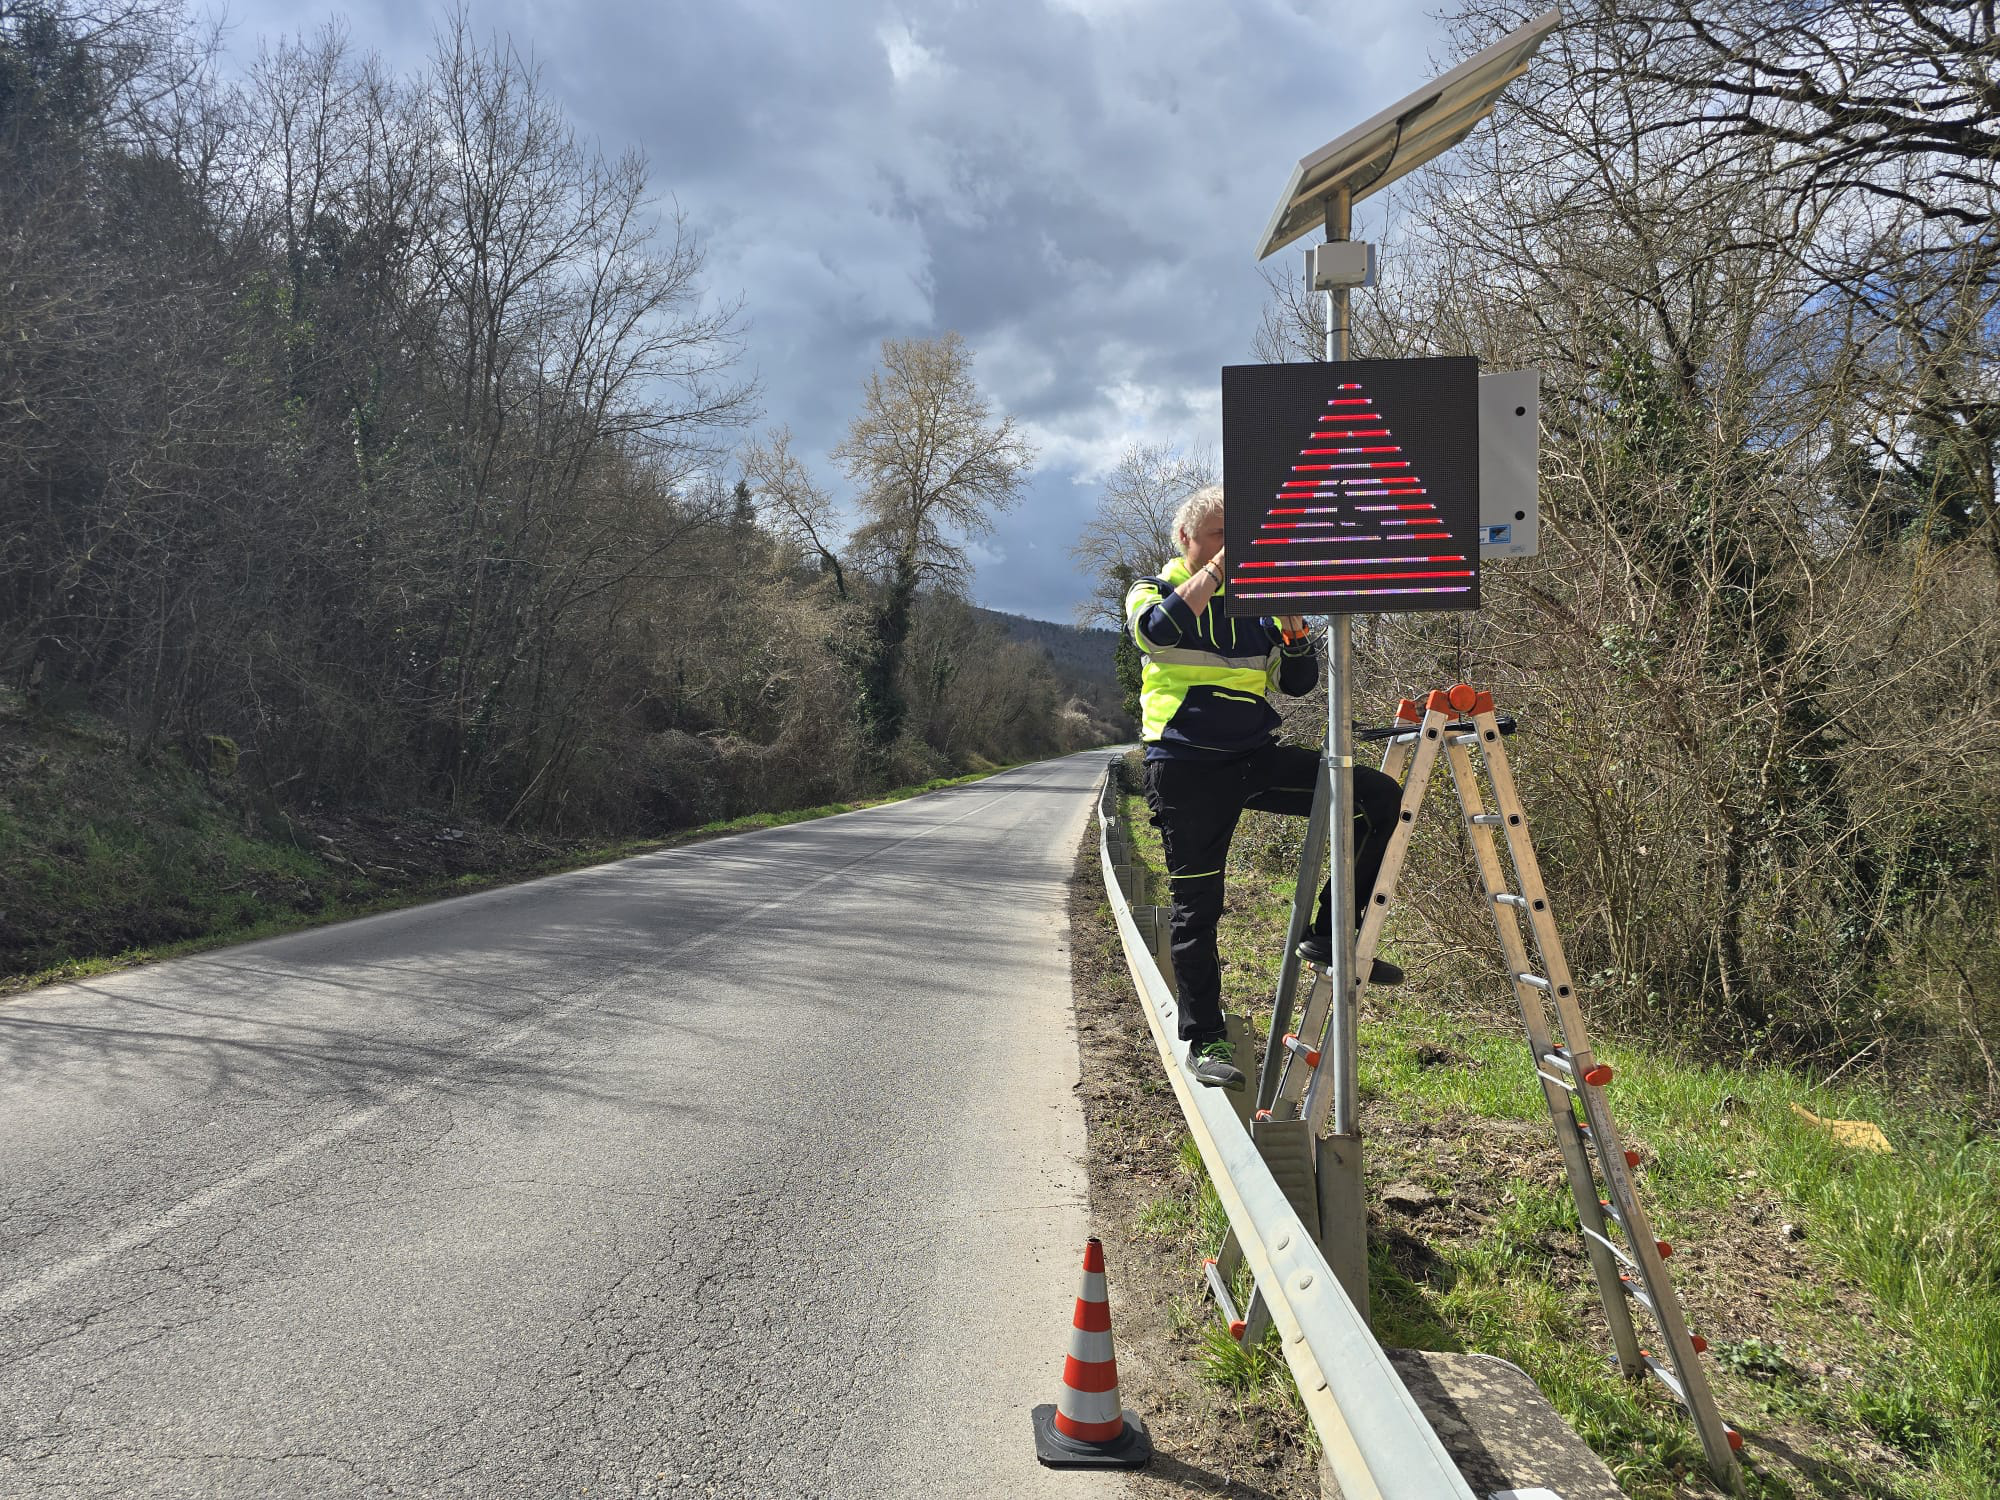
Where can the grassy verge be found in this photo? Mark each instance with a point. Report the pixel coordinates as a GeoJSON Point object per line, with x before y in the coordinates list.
{"type": "Point", "coordinates": [112, 861]}
{"type": "Point", "coordinates": [1852, 1300]}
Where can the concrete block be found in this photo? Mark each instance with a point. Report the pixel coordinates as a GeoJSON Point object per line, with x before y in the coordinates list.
{"type": "Point", "coordinates": [1499, 1428]}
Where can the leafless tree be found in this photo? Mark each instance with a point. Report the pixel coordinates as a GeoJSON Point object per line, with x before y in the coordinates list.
{"type": "Point", "coordinates": [792, 503]}
{"type": "Point", "coordinates": [1892, 99]}
{"type": "Point", "coordinates": [1131, 531]}
{"type": "Point", "coordinates": [931, 468]}
{"type": "Point", "coordinates": [1766, 484]}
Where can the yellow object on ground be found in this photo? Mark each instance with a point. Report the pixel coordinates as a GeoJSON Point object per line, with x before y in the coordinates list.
{"type": "Point", "coordinates": [1862, 1135]}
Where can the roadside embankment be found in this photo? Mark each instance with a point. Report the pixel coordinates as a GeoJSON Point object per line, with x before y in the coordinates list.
{"type": "Point", "coordinates": [1850, 1295]}
{"type": "Point", "coordinates": [111, 856]}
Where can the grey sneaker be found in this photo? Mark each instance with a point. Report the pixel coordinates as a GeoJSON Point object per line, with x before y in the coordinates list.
{"type": "Point", "coordinates": [1318, 950]}
{"type": "Point", "coordinates": [1214, 1064]}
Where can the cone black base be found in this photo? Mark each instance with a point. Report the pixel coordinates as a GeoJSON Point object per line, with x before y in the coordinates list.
{"type": "Point", "coordinates": [1131, 1449]}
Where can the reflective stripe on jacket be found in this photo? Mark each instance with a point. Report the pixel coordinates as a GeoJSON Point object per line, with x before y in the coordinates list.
{"type": "Point", "coordinates": [1206, 692]}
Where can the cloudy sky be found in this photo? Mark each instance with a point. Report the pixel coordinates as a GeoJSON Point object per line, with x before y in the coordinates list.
{"type": "Point", "coordinates": [1076, 186]}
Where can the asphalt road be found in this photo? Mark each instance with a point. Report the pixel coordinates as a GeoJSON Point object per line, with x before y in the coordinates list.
{"type": "Point", "coordinates": [751, 1168]}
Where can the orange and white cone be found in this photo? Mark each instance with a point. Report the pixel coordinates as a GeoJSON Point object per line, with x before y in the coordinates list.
{"type": "Point", "coordinates": [1086, 1427]}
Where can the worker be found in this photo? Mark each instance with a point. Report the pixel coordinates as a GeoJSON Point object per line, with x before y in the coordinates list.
{"type": "Point", "coordinates": [1212, 750]}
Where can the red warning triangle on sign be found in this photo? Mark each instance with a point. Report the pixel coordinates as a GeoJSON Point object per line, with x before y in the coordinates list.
{"type": "Point", "coordinates": [1353, 521]}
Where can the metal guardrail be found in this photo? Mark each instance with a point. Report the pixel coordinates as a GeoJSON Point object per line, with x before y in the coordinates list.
{"type": "Point", "coordinates": [1377, 1442]}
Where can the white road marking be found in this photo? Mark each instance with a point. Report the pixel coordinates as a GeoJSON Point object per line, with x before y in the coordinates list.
{"type": "Point", "coordinates": [23, 1292]}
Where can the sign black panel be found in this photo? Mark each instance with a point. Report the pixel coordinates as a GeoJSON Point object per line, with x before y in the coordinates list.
{"type": "Point", "coordinates": [1353, 488]}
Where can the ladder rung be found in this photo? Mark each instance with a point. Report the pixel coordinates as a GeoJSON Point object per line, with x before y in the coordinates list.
{"type": "Point", "coordinates": [1533, 980]}
{"type": "Point", "coordinates": [1556, 1078]}
{"type": "Point", "coordinates": [1612, 1213]}
{"type": "Point", "coordinates": [1667, 1377]}
{"type": "Point", "coordinates": [1310, 1054]}
{"type": "Point", "coordinates": [1597, 1075]}
{"type": "Point", "coordinates": [1644, 1299]}
{"type": "Point", "coordinates": [1487, 820]}
{"type": "Point", "coordinates": [1465, 739]}
{"type": "Point", "coordinates": [1508, 898]}
{"type": "Point", "coordinates": [1672, 1383]}
{"type": "Point", "coordinates": [1631, 1156]}
{"type": "Point", "coordinates": [1695, 1341]}
{"type": "Point", "coordinates": [1616, 1249]}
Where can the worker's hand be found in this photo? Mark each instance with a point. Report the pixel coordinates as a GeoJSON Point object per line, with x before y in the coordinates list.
{"type": "Point", "coordinates": [1292, 628]}
{"type": "Point", "coordinates": [1217, 561]}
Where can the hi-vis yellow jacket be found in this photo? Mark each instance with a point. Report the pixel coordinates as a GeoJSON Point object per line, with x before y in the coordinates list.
{"type": "Point", "coordinates": [1206, 693]}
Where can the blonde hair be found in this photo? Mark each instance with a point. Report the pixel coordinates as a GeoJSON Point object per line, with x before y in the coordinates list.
{"type": "Point", "coordinates": [1197, 508]}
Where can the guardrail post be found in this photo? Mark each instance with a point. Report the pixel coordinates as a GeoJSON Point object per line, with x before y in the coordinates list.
{"type": "Point", "coordinates": [1141, 885]}
{"type": "Point", "coordinates": [1286, 1146]}
{"type": "Point", "coordinates": [1163, 948]}
{"type": "Point", "coordinates": [1343, 1213]}
{"type": "Point", "coordinates": [1244, 1036]}
{"type": "Point", "coordinates": [1121, 853]}
{"type": "Point", "coordinates": [1155, 924]}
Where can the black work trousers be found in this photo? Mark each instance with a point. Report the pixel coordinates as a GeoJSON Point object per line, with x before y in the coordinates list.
{"type": "Point", "coordinates": [1196, 805]}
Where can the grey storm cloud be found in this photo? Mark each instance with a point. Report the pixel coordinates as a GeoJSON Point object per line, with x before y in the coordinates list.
{"type": "Point", "coordinates": [1076, 187]}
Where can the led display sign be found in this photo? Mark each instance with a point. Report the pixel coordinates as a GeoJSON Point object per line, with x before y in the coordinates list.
{"type": "Point", "coordinates": [1352, 487]}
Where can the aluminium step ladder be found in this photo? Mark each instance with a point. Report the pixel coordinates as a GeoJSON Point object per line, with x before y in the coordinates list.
{"type": "Point", "coordinates": [1286, 1130]}
{"type": "Point", "coordinates": [1410, 758]}
{"type": "Point", "coordinates": [1628, 1265]}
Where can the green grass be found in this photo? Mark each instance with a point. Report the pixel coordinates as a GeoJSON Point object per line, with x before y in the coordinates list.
{"type": "Point", "coordinates": [1919, 1232]}
{"type": "Point", "coordinates": [1189, 1213]}
{"type": "Point", "coordinates": [1188, 1216]}
{"type": "Point", "coordinates": [1889, 1335]}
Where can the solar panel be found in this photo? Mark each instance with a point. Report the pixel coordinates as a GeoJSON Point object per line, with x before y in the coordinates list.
{"type": "Point", "coordinates": [1404, 136]}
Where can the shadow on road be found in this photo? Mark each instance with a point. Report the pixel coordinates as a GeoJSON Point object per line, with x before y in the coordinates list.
{"type": "Point", "coordinates": [786, 936]}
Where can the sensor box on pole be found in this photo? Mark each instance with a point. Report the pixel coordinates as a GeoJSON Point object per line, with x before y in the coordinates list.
{"type": "Point", "coordinates": [1510, 456]}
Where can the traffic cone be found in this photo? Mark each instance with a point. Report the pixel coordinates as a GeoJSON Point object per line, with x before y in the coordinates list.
{"type": "Point", "coordinates": [1086, 1428]}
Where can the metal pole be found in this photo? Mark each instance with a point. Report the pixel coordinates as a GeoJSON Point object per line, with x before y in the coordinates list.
{"type": "Point", "coordinates": [1339, 226]}
{"type": "Point", "coordinates": [1340, 771]}
{"type": "Point", "coordinates": [1343, 1203]}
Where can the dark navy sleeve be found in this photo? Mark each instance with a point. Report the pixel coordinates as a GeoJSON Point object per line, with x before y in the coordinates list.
{"type": "Point", "coordinates": [1298, 667]}
{"type": "Point", "coordinates": [1158, 617]}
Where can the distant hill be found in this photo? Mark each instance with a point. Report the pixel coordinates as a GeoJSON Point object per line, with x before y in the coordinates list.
{"type": "Point", "coordinates": [1081, 656]}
